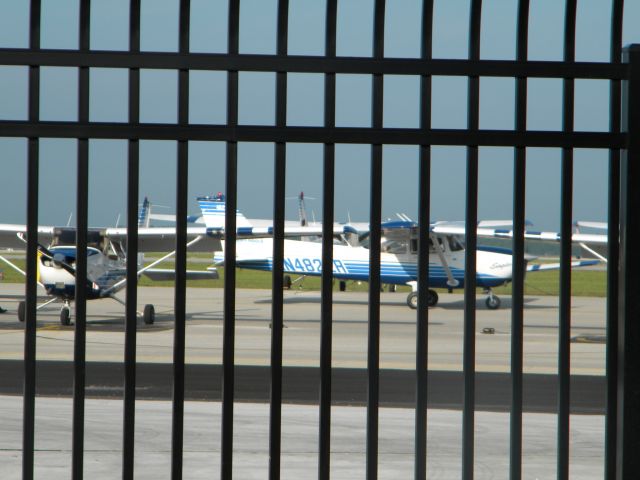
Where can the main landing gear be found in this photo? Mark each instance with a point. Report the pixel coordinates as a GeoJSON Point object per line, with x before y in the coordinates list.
{"type": "Point", "coordinates": [149, 314]}
{"type": "Point", "coordinates": [432, 299]}
{"type": "Point", "coordinates": [65, 312]}
{"type": "Point", "coordinates": [493, 301]}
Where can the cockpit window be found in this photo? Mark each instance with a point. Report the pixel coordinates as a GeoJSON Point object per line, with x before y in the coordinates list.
{"type": "Point", "coordinates": [455, 245]}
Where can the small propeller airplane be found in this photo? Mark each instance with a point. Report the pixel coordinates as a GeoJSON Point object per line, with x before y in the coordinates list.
{"type": "Point", "coordinates": [106, 260]}
{"type": "Point", "coordinates": [107, 256]}
{"type": "Point", "coordinates": [398, 255]}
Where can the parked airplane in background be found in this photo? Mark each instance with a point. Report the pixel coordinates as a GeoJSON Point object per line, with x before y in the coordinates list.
{"type": "Point", "coordinates": [398, 258]}
{"type": "Point", "coordinates": [595, 244]}
{"type": "Point", "coordinates": [107, 256]}
{"type": "Point", "coordinates": [106, 260]}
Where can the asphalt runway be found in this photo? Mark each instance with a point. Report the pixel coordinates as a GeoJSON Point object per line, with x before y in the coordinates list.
{"type": "Point", "coordinates": [105, 340]}
{"type": "Point", "coordinates": [301, 386]}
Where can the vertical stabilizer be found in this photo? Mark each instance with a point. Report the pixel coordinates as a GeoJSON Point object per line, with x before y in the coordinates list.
{"type": "Point", "coordinates": [143, 216]}
{"type": "Point", "coordinates": [214, 209]}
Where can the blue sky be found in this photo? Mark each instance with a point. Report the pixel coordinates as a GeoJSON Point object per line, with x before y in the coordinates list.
{"type": "Point", "coordinates": [305, 107]}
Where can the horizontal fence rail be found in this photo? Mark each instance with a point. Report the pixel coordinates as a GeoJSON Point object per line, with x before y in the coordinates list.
{"type": "Point", "coordinates": [315, 64]}
{"type": "Point", "coordinates": [388, 136]}
{"type": "Point", "coordinates": [621, 139]}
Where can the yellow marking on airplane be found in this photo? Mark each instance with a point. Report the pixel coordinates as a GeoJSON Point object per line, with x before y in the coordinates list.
{"type": "Point", "coordinates": [38, 267]}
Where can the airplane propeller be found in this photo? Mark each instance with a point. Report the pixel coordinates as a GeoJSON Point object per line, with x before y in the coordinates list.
{"type": "Point", "coordinates": [55, 258]}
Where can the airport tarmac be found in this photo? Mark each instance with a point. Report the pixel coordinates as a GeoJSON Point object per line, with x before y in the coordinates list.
{"type": "Point", "coordinates": [105, 331]}
{"type": "Point", "coordinates": [103, 442]}
{"type": "Point", "coordinates": [105, 339]}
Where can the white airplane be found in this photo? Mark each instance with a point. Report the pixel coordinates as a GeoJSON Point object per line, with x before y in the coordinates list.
{"type": "Point", "coordinates": [398, 258]}
{"type": "Point", "coordinates": [106, 260]}
{"type": "Point", "coordinates": [107, 256]}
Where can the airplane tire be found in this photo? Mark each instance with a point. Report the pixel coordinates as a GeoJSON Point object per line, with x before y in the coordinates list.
{"type": "Point", "coordinates": [432, 299]}
{"type": "Point", "coordinates": [412, 300]}
{"type": "Point", "coordinates": [343, 286]}
{"type": "Point", "coordinates": [65, 316]}
{"type": "Point", "coordinates": [22, 311]}
{"type": "Point", "coordinates": [287, 282]}
{"type": "Point", "coordinates": [492, 303]}
{"type": "Point", "coordinates": [149, 314]}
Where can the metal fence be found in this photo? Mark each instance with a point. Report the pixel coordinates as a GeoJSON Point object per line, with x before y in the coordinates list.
{"type": "Point", "coordinates": [622, 140]}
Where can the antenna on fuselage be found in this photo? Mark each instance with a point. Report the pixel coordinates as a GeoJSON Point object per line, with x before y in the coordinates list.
{"type": "Point", "coordinates": [302, 212]}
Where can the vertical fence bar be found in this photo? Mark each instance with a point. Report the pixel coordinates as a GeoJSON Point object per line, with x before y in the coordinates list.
{"type": "Point", "coordinates": [82, 199]}
{"type": "Point", "coordinates": [471, 221]}
{"type": "Point", "coordinates": [424, 207]}
{"type": "Point", "coordinates": [564, 331]}
{"type": "Point", "coordinates": [275, 423]}
{"type": "Point", "coordinates": [177, 437]}
{"type": "Point", "coordinates": [131, 315]}
{"type": "Point", "coordinates": [231, 185]}
{"type": "Point", "coordinates": [277, 322]}
{"type": "Point", "coordinates": [373, 361]}
{"type": "Point", "coordinates": [29, 392]}
{"type": "Point", "coordinates": [180, 295]}
{"type": "Point", "coordinates": [615, 113]}
{"type": "Point", "coordinates": [519, 267]}
{"type": "Point", "coordinates": [628, 426]}
{"type": "Point", "coordinates": [326, 307]}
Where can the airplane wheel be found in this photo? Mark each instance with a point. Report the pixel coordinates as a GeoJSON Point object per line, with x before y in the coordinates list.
{"type": "Point", "coordinates": [287, 282]}
{"type": "Point", "coordinates": [149, 315]}
{"type": "Point", "coordinates": [343, 286]}
{"type": "Point", "coordinates": [65, 316]}
{"type": "Point", "coordinates": [432, 299]}
{"type": "Point", "coordinates": [22, 311]}
{"type": "Point", "coordinates": [392, 287]}
{"type": "Point", "coordinates": [492, 302]}
{"type": "Point", "coordinates": [412, 300]}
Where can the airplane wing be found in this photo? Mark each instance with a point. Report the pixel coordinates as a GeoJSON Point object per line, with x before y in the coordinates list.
{"type": "Point", "coordinates": [163, 239]}
{"type": "Point", "coordinates": [452, 229]}
{"type": "Point", "coordinates": [289, 231]}
{"type": "Point", "coordinates": [159, 239]}
{"type": "Point", "coordinates": [597, 225]}
{"type": "Point", "coordinates": [14, 236]}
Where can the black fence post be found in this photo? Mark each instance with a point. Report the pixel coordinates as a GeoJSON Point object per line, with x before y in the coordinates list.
{"type": "Point", "coordinates": [628, 440]}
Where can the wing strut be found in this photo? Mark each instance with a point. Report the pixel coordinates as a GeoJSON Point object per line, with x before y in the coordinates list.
{"type": "Point", "coordinates": [451, 281]}
{"type": "Point", "coordinates": [118, 285]}
{"type": "Point", "coordinates": [16, 268]}
{"type": "Point", "coordinates": [593, 252]}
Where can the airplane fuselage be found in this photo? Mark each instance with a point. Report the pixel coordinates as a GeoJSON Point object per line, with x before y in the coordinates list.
{"type": "Point", "coordinates": [352, 263]}
{"type": "Point", "coordinates": [102, 272]}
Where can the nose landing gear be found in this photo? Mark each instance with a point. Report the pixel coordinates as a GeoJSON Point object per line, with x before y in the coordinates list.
{"type": "Point", "coordinates": [65, 314]}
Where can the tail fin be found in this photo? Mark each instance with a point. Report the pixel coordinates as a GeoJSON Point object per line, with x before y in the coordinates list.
{"type": "Point", "coordinates": [213, 212]}
{"type": "Point", "coordinates": [143, 216]}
